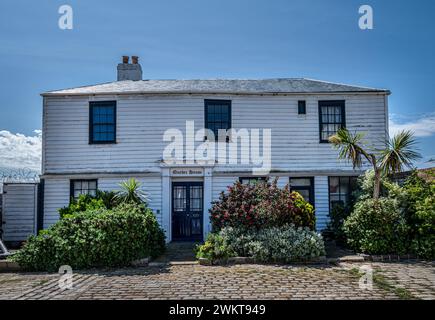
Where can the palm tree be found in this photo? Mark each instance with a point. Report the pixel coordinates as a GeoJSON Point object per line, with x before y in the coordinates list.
{"type": "Point", "coordinates": [130, 192]}
{"type": "Point", "coordinates": [398, 153]}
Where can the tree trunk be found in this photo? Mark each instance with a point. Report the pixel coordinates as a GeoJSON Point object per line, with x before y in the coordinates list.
{"type": "Point", "coordinates": [377, 186]}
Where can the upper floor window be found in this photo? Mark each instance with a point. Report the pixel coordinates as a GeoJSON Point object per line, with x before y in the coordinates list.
{"type": "Point", "coordinates": [302, 107]}
{"type": "Point", "coordinates": [217, 115]}
{"type": "Point", "coordinates": [79, 187]}
{"type": "Point", "coordinates": [331, 118]}
{"type": "Point", "coordinates": [102, 122]}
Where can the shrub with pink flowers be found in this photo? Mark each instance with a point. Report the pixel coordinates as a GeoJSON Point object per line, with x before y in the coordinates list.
{"type": "Point", "coordinates": [260, 205]}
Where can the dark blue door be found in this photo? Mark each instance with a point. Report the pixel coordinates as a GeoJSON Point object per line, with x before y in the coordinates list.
{"type": "Point", "coordinates": [187, 211]}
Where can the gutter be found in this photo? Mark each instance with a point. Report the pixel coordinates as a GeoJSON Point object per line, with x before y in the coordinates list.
{"type": "Point", "coordinates": [55, 94]}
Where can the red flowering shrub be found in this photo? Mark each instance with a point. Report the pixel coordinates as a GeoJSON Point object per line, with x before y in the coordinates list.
{"type": "Point", "coordinates": [260, 205]}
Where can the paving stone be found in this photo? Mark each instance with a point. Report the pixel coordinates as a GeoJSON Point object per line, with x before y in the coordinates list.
{"type": "Point", "coordinates": [247, 281]}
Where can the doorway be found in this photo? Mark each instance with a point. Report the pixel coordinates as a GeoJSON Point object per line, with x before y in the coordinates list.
{"type": "Point", "coordinates": [187, 211]}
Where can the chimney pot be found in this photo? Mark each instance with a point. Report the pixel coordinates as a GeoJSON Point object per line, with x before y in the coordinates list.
{"type": "Point", "coordinates": [127, 71]}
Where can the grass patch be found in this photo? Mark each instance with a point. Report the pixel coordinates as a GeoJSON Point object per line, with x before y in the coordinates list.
{"type": "Point", "coordinates": [5, 281]}
{"type": "Point", "coordinates": [355, 272]}
{"type": "Point", "coordinates": [40, 283]}
{"type": "Point", "coordinates": [383, 283]}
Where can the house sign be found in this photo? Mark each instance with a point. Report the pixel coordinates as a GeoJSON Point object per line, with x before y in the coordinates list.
{"type": "Point", "coordinates": [187, 172]}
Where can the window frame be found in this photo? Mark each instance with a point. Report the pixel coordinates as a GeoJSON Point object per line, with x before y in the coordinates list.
{"type": "Point", "coordinates": [310, 189]}
{"type": "Point", "coordinates": [208, 102]}
{"type": "Point", "coordinates": [329, 103]}
{"type": "Point", "coordinates": [252, 178]}
{"type": "Point", "coordinates": [92, 105]}
{"type": "Point", "coordinates": [302, 107]}
{"type": "Point", "coordinates": [71, 186]}
{"type": "Point", "coordinates": [329, 188]}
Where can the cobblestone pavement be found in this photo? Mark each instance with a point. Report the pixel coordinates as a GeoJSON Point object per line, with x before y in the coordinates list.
{"type": "Point", "coordinates": [417, 279]}
{"type": "Point", "coordinates": [223, 282]}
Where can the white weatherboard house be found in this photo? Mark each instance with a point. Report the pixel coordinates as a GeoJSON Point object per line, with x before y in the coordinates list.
{"type": "Point", "coordinates": [97, 136]}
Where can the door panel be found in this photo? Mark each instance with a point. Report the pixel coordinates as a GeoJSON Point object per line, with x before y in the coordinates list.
{"type": "Point", "coordinates": [187, 211]}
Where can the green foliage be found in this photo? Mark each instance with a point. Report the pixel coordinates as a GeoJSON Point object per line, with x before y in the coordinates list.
{"type": "Point", "coordinates": [261, 205]}
{"type": "Point", "coordinates": [417, 201]}
{"type": "Point", "coordinates": [350, 146]}
{"type": "Point", "coordinates": [273, 244]}
{"type": "Point", "coordinates": [95, 238]}
{"type": "Point", "coordinates": [215, 247]}
{"type": "Point", "coordinates": [413, 208]}
{"type": "Point", "coordinates": [423, 243]}
{"type": "Point", "coordinates": [130, 192]}
{"type": "Point", "coordinates": [399, 153]}
{"type": "Point", "coordinates": [108, 198]}
{"type": "Point", "coordinates": [337, 216]}
{"type": "Point", "coordinates": [377, 227]}
{"type": "Point", "coordinates": [366, 184]}
{"type": "Point", "coordinates": [83, 203]}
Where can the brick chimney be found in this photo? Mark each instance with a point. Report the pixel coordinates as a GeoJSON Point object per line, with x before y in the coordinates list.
{"type": "Point", "coordinates": [129, 71]}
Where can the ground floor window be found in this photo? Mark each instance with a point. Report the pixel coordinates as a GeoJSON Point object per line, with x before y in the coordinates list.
{"type": "Point", "coordinates": [305, 187]}
{"type": "Point", "coordinates": [251, 180]}
{"type": "Point", "coordinates": [340, 190]}
{"type": "Point", "coordinates": [79, 187]}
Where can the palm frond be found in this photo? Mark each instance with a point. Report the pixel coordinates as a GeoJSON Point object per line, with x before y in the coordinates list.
{"type": "Point", "coordinates": [130, 192]}
{"type": "Point", "coordinates": [399, 153]}
{"type": "Point", "coordinates": [350, 146]}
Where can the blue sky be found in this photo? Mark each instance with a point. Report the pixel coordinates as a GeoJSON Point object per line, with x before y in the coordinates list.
{"type": "Point", "coordinates": [220, 39]}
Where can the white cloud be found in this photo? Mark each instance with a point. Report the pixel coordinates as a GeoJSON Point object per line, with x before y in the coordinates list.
{"type": "Point", "coordinates": [424, 126]}
{"type": "Point", "coordinates": [18, 151]}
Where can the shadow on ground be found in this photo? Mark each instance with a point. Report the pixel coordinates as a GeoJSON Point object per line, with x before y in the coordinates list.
{"type": "Point", "coordinates": [178, 252]}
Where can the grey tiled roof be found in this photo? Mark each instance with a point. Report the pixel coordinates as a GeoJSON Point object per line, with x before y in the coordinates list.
{"type": "Point", "coordinates": [262, 86]}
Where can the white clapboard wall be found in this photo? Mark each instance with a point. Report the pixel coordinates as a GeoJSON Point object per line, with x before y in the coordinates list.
{"type": "Point", "coordinates": [19, 211]}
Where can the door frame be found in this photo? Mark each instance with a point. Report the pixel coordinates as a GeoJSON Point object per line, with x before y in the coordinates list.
{"type": "Point", "coordinates": [188, 183]}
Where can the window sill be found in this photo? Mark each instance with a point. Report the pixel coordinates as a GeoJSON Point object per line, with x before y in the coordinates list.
{"type": "Point", "coordinates": [103, 142]}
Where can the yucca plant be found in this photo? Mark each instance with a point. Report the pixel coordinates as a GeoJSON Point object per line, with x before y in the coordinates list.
{"type": "Point", "coordinates": [130, 192]}
{"type": "Point", "coordinates": [399, 152]}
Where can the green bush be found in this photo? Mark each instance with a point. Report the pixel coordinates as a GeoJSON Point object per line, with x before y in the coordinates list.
{"type": "Point", "coordinates": [83, 203]}
{"type": "Point", "coordinates": [95, 238]}
{"type": "Point", "coordinates": [417, 202]}
{"type": "Point", "coordinates": [337, 216]}
{"type": "Point", "coordinates": [377, 227]}
{"type": "Point", "coordinates": [129, 192]}
{"type": "Point", "coordinates": [261, 205]}
{"type": "Point", "coordinates": [423, 241]}
{"type": "Point", "coordinates": [215, 247]}
{"type": "Point", "coordinates": [274, 244]}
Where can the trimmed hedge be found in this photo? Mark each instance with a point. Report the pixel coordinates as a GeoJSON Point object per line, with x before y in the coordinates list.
{"type": "Point", "coordinates": [95, 238]}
